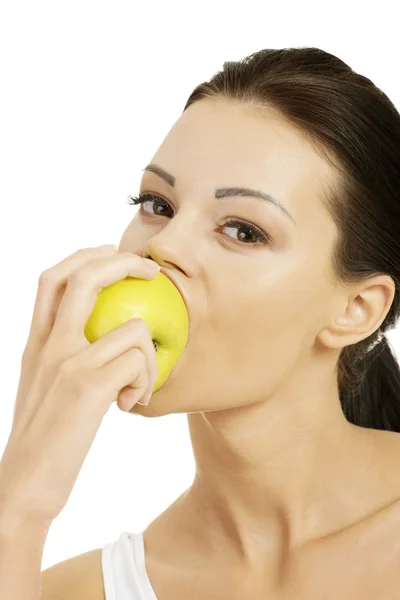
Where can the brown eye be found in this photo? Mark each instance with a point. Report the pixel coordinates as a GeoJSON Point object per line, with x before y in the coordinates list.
{"type": "Point", "coordinates": [148, 199]}
{"type": "Point", "coordinates": [257, 234]}
{"type": "Point", "coordinates": [260, 237]}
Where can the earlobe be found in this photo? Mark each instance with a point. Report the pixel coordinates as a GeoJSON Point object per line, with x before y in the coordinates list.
{"type": "Point", "coordinates": [343, 328]}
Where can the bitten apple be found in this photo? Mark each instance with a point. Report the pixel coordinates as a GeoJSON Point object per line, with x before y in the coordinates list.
{"type": "Point", "coordinates": [158, 302]}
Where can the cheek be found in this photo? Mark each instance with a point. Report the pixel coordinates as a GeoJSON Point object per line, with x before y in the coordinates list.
{"type": "Point", "coordinates": [226, 366]}
{"type": "Point", "coordinates": [248, 342]}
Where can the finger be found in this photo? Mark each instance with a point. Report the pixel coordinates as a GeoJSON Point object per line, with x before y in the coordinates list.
{"type": "Point", "coordinates": [128, 397]}
{"type": "Point", "coordinates": [82, 290]}
{"type": "Point", "coordinates": [134, 333]}
{"type": "Point", "coordinates": [50, 290]}
{"type": "Point", "coordinates": [129, 369]}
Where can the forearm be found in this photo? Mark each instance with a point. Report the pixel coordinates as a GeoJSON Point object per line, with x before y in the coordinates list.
{"type": "Point", "coordinates": [21, 550]}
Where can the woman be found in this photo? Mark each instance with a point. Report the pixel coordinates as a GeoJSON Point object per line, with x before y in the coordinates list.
{"type": "Point", "coordinates": [291, 388]}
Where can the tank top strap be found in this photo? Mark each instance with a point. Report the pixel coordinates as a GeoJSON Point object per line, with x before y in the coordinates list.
{"type": "Point", "coordinates": [124, 569]}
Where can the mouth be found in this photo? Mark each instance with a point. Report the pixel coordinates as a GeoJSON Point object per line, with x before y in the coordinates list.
{"type": "Point", "coordinates": [167, 273]}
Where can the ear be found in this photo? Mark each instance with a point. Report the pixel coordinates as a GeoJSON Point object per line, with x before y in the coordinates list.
{"type": "Point", "coordinates": [365, 309]}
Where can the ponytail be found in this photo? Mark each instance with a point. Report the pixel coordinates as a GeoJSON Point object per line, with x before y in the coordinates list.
{"type": "Point", "coordinates": [374, 401]}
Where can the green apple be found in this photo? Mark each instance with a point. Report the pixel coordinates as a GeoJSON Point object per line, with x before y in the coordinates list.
{"type": "Point", "coordinates": [158, 302]}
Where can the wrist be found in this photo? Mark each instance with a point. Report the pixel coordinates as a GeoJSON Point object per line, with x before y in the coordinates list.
{"type": "Point", "coordinates": [14, 520]}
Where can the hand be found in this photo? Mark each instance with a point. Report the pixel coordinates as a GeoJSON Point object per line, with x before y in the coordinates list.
{"type": "Point", "coordinates": [67, 384]}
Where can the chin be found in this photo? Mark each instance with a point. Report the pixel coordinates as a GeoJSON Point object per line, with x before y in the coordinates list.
{"type": "Point", "coordinates": [159, 406]}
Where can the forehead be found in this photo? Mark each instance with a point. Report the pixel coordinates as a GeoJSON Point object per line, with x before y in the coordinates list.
{"type": "Point", "coordinates": [218, 142]}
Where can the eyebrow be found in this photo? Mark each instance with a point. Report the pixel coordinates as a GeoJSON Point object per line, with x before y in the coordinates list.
{"type": "Point", "coordinates": [222, 192]}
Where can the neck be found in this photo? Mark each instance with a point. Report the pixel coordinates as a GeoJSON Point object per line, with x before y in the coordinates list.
{"type": "Point", "coordinates": [273, 476]}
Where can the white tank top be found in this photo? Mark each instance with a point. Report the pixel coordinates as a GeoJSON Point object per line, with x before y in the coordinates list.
{"type": "Point", "coordinates": [124, 569]}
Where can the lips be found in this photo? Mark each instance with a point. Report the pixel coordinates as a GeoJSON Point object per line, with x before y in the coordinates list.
{"type": "Point", "coordinates": [168, 274]}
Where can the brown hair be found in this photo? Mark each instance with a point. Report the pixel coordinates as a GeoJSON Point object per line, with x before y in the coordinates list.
{"type": "Point", "coordinates": [355, 127]}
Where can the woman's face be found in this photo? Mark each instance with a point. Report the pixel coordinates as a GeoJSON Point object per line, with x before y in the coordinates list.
{"type": "Point", "coordinates": [256, 307]}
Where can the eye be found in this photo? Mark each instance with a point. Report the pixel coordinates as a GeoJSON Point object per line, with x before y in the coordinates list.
{"type": "Point", "coordinates": [260, 237]}
{"type": "Point", "coordinates": [148, 198]}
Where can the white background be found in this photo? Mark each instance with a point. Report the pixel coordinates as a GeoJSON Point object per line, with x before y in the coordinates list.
{"type": "Point", "coordinates": [88, 91]}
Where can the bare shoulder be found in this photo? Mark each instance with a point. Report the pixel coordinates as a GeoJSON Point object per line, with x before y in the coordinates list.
{"type": "Point", "coordinates": [77, 578]}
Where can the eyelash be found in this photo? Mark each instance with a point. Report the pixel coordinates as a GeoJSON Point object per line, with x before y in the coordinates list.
{"type": "Point", "coordinates": [261, 236]}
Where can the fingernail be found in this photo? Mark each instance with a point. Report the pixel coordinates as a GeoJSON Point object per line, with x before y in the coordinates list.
{"type": "Point", "coordinates": [144, 401]}
{"type": "Point", "coordinates": [153, 264]}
